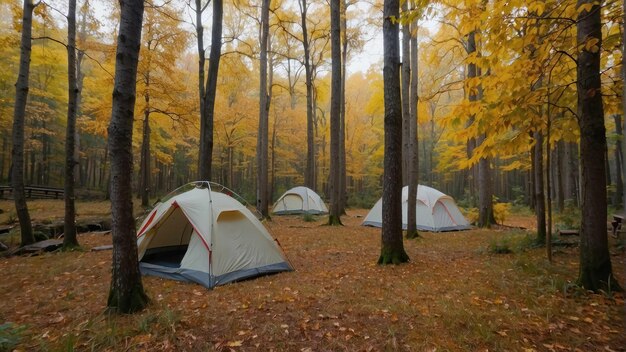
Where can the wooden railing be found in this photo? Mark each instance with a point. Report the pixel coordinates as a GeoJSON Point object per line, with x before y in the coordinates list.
{"type": "Point", "coordinates": [33, 192]}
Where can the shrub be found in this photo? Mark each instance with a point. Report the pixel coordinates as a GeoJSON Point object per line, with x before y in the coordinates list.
{"type": "Point", "coordinates": [500, 246]}
{"type": "Point", "coordinates": [308, 217]}
{"type": "Point", "coordinates": [501, 211]}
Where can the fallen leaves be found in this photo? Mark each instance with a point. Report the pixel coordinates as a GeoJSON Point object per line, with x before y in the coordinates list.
{"type": "Point", "coordinates": [337, 297]}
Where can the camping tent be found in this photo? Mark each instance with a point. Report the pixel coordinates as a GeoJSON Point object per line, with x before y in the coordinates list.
{"type": "Point", "coordinates": [299, 200]}
{"type": "Point", "coordinates": [435, 211]}
{"type": "Point", "coordinates": [206, 237]}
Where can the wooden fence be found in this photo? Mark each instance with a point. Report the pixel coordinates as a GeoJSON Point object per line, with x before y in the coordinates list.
{"type": "Point", "coordinates": [33, 192]}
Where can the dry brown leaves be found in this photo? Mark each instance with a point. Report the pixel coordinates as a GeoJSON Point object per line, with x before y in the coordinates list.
{"type": "Point", "coordinates": [453, 295]}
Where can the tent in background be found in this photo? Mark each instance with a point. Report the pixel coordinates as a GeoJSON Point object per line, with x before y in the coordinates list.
{"type": "Point", "coordinates": [435, 211]}
{"type": "Point", "coordinates": [207, 237]}
{"type": "Point", "coordinates": [299, 200]}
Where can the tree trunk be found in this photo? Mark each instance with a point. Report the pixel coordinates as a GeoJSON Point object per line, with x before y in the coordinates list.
{"type": "Point", "coordinates": [472, 72]}
{"type": "Point", "coordinates": [19, 112]}
{"type": "Point", "coordinates": [540, 201]}
{"type": "Point", "coordinates": [264, 107]}
{"type": "Point", "coordinates": [623, 170]}
{"type": "Point", "coordinates": [343, 192]}
{"type": "Point", "coordinates": [392, 248]}
{"type": "Point", "coordinates": [559, 167]}
{"type": "Point", "coordinates": [548, 181]}
{"type": "Point", "coordinates": [208, 106]}
{"type": "Point", "coordinates": [595, 263]}
{"type": "Point", "coordinates": [144, 188]}
{"type": "Point", "coordinates": [617, 154]}
{"type": "Point", "coordinates": [126, 294]}
{"type": "Point", "coordinates": [334, 217]}
{"type": "Point", "coordinates": [69, 229]}
{"type": "Point", "coordinates": [411, 229]}
{"type": "Point", "coordinates": [405, 77]}
{"type": "Point", "coordinates": [485, 193]}
{"type": "Point", "coordinates": [309, 175]}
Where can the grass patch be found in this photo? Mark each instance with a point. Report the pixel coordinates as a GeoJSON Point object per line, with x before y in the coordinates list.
{"type": "Point", "coordinates": [10, 335]}
{"type": "Point", "coordinates": [307, 217]}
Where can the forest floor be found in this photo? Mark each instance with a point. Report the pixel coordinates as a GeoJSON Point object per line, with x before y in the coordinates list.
{"type": "Point", "coordinates": [455, 294]}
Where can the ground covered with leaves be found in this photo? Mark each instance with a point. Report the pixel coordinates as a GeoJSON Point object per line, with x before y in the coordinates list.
{"type": "Point", "coordinates": [456, 294]}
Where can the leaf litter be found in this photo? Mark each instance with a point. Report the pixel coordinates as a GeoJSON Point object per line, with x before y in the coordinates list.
{"type": "Point", "coordinates": [452, 295]}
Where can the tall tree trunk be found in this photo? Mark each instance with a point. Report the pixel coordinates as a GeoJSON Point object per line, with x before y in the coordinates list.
{"type": "Point", "coordinates": [264, 107]}
{"type": "Point", "coordinates": [145, 185]}
{"type": "Point", "coordinates": [559, 168]}
{"type": "Point", "coordinates": [472, 72]}
{"type": "Point", "coordinates": [540, 201]}
{"type": "Point", "coordinates": [309, 175]}
{"type": "Point", "coordinates": [392, 247]}
{"type": "Point", "coordinates": [411, 229]}
{"type": "Point", "coordinates": [334, 217]}
{"type": "Point", "coordinates": [343, 191]}
{"type": "Point", "coordinates": [405, 77]}
{"type": "Point", "coordinates": [126, 294]}
{"type": "Point", "coordinates": [548, 181]}
{"type": "Point", "coordinates": [69, 228]}
{"type": "Point", "coordinates": [595, 263]}
{"type": "Point", "coordinates": [19, 112]}
{"type": "Point", "coordinates": [624, 103]}
{"type": "Point", "coordinates": [617, 154]}
{"type": "Point", "coordinates": [208, 105]}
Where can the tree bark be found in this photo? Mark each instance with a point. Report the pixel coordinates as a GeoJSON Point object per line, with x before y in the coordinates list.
{"type": "Point", "coordinates": [595, 263]}
{"type": "Point", "coordinates": [69, 228]}
{"type": "Point", "coordinates": [208, 105]}
{"type": "Point", "coordinates": [343, 191]}
{"type": "Point", "coordinates": [126, 294]}
{"type": "Point", "coordinates": [617, 154]}
{"type": "Point", "coordinates": [392, 247]}
{"type": "Point", "coordinates": [405, 83]}
{"type": "Point", "coordinates": [411, 229]}
{"type": "Point", "coordinates": [264, 107]}
{"type": "Point", "coordinates": [309, 175]}
{"type": "Point", "coordinates": [19, 112]}
{"type": "Point", "coordinates": [623, 170]}
{"type": "Point", "coordinates": [145, 148]}
{"type": "Point", "coordinates": [334, 217]}
{"type": "Point", "coordinates": [559, 168]}
{"type": "Point", "coordinates": [540, 201]}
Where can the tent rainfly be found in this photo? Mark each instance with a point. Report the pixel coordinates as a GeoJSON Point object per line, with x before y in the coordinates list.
{"type": "Point", "coordinates": [435, 211]}
{"type": "Point", "coordinates": [206, 237]}
{"type": "Point", "coordinates": [299, 200]}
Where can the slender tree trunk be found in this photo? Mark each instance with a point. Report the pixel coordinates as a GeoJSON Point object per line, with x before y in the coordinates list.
{"type": "Point", "coordinates": [334, 217]}
{"type": "Point", "coordinates": [19, 112]}
{"type": "Point", "coordinates": [145, 184]}
{"type": "Point", "coordinates": [617, 154]}
{"type": "Point", "coordinates": [392, 248]}
{"type": "Point", "coordinates": [309, 175]}
{"type": "Point", "coordinates": [199, 9]}
{"type": "Point", "coordinates": [595, 272]}
{"type": "Point", "coordinates": [411, 229]}
{"type": "Point", "coordinates": [540, 201]}
{"type": "Point", "coordinates": [208, 105]}
{"type": "Point", "coordinates": [560, 167]}
{"type": "Point", "coordinates": [624, 103]}
{"type": "Point", "coordinates": [343, 192]}
{"type": "Point", "coordinates": [264, 107]}
{"type": "Point", "coordinates": [69, 229]}
{"type": "Point", "coordinates": [126, 294]}
{"type": "Point", "coordinates": [405, 83]}
{"type": "Point", "coordinates": [548, 188]}
{"type": "Point", "coordinates": [472, 72]}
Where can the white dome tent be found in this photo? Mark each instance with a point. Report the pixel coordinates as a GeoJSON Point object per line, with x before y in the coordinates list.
{"type": "Point", "coordinates": [201, 235]}
{"type": "Point", "coordinates": [299, 200]}
{"type": "Point", "coordinates": [435, 211]}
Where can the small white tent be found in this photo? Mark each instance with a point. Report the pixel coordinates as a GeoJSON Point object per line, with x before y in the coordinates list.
{"type": "Point", "coordinates": [206, 237]}
{"type": "Point", "coordinates": [434, 211]}
{"type": "Point", "coordinates": [299, 200]}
